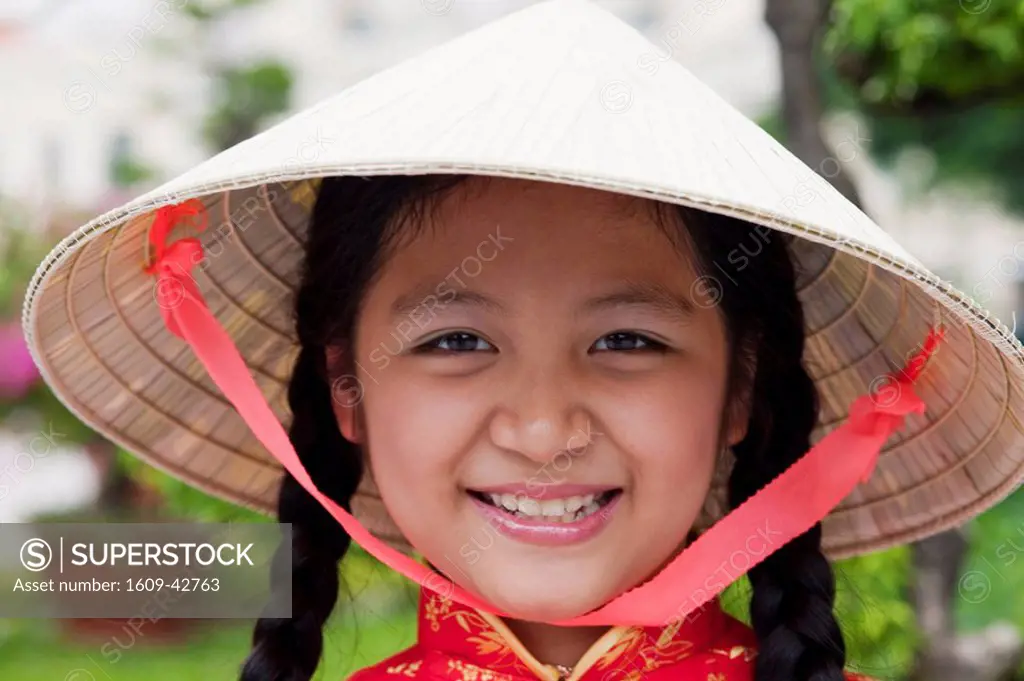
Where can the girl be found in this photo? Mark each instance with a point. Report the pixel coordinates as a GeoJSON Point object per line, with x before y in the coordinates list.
{"type": "Point", "coordinates": [563, 329]}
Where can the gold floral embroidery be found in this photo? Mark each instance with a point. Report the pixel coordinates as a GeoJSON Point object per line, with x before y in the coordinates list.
{"type": "Point", "coordinates": [435, 608]}
{"type": "Point", "coordinates": [732, 653]}
{"type": "Point", "coordinates": [406, 668]}
{"type": "Point", "coordinates": [488, 641]}
{"type": "Point", "coordinates": [631, 652]}
{"type": "Point", "coordinates": [470, 672]}
{"type": "Point", "coordinates": [630, 639]}
{"type": "Point", "coordinates": [668, 633]}
{"type": "Point", "coordinates": [637, 653]}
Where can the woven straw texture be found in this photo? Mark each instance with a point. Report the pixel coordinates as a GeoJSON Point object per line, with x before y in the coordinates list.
{"type": "Point", "coordinates": [550, 93]}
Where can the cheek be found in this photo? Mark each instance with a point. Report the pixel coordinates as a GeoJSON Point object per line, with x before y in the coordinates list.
{"type": "Point", "coordinates": [681, 441]}
{"type": "Point", "coordinates": [415, 439]}
{"type": "Point", "coordinates": [673, 434]}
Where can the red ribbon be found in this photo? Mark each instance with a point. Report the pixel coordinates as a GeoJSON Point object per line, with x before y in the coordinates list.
{"type": "Point", "coordinates": [883, 410]}
{"type": "Point", "coordinates": [172, 263]}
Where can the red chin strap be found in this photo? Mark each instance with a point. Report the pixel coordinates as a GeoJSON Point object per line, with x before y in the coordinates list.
{"type": "Point", "coordinates": [784, 509]}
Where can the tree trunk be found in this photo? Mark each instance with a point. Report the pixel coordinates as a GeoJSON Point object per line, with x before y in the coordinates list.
{"type": "Point", "coordinates": [797, 25]}
{"type": "Point", "coordinates": [992, 654]}
{"type": "Point", "coordinates": [995, 653]}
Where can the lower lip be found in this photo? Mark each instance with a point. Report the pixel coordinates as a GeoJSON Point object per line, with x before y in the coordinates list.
{"type": "Point", "coordinates": [546, 532]}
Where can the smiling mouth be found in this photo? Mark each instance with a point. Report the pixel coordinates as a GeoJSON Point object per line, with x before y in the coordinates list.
{"type": "Point", "coordinates": [564, 510]}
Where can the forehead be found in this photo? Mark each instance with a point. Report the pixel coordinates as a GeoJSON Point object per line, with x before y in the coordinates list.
{"type": "Point", "coordinates": [543, 229]}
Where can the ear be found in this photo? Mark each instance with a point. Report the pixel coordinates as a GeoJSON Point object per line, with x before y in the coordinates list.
{"type": "Point", "coordinates": [738, 411]}
{"type": "Point", "coordinates": [738, 421]}
{"type": "Point", "coordinates": [345, 393]}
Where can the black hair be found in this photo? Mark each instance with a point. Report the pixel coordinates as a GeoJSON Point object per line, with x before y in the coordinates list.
{"type": "Point", "coordinates": [355, 224]}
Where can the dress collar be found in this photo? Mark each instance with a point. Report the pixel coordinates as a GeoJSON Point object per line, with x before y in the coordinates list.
{"type": "Point", "coordinates": [477, 639]}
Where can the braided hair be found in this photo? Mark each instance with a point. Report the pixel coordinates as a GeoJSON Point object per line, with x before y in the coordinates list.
{"type": "Point", "coordinates": [355, 224]}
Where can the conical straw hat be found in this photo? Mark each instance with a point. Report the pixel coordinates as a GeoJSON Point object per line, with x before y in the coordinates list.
{"type": "Point", "coordinates": [556, 92]}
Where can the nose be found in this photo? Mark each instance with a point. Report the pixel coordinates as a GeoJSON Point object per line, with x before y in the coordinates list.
{"type": "Point", "coordinates": [542, 417]}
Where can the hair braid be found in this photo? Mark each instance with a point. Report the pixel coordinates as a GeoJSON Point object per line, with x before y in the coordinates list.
{"type": "Point", "coordinates": [290, 649]}
{"type": "Point", "coordinates": [794, 588]}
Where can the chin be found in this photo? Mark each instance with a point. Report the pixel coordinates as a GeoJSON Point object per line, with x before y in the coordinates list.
{"type": "Point", "coordinates": [537, 598]}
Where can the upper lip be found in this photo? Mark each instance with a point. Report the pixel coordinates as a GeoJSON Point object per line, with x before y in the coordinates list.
{"type": "Point", "coordinates": [539, 491]}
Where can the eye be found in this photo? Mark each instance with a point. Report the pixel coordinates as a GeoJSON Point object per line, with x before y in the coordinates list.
{"type": "Point", "coordinates": [458, 342]}
{"type": "Point", "coordinates": [627, 341]}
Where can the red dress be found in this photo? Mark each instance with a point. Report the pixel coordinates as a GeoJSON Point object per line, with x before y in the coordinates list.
{"type": "Point", "coordinates": [459, 643]}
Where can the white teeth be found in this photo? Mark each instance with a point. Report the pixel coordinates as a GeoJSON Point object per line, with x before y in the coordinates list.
{"type": "Point", "coordinates": [528, 506]}
{"type": "Point", "coordinates": [552, 507]}
{"type": "Point", "coordinates": [558, 510]}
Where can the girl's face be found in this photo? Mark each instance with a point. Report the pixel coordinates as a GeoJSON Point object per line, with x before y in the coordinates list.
{"type": "Point", "coordinates": [544, 386]}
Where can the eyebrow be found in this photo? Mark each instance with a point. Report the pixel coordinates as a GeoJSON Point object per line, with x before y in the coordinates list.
{"type": "Point", "coordinates": [642, 294]}
{"type": "Point", "coordinates": [645, 295]}
{"type": "Point", "coordinates": [426, 296]}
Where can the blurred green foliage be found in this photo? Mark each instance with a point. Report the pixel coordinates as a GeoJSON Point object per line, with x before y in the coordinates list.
{"type": "Point", "coordinates": [920, 54]}
{"type": "Point", "coordinates": [129, 172]}
{"type": "Point", "coordinates": [246, 97]}
{"type": "Point", "coordinates": [30, 650]}
{"type": "Point", "coordinates": [205, 10]}
{"type": "Point", "coordinates": [981, 147]}
{"type": "Point", "coordinates": [941, 76]}
{"type": "Point", "coordinates": [991, 586]}
{"type": "Point", "coordinates": [20, 255]}
{"type": "Point", "coordinates": [878, 622]}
